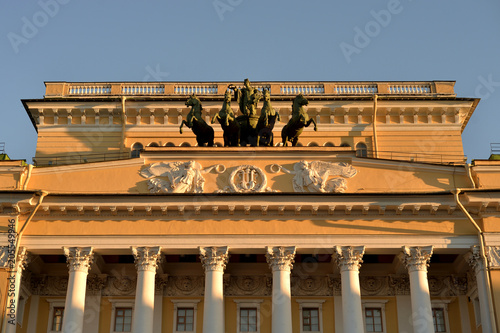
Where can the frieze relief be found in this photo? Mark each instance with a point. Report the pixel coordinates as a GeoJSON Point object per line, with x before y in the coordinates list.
{"type": "Point", "coordinates": [312, 286]}
{"type": "Point", "coordinates": [318, 176]}
{"type": "Point", "coordinates": [247, 285]}
{"type": "Point", "coordinates": [120, 286]}
{"type": "Point", "coordinates": [185, 286]}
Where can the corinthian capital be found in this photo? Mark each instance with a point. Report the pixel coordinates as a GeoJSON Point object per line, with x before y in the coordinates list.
{"type": "Point", "coordinates": [475, 259]}
{"type": "Point", "coordinates": [348, 258]}
{"type": "Point", "coordinates": [79, 258]}
{"type": "Point", "coordinates": [214, 258]}
{"type": "Point", "coordinates": [416, 258]}
{"type": "Point", "coordinates": [280, 258]}
{"type": "Point", "coordinates": [146, 258]}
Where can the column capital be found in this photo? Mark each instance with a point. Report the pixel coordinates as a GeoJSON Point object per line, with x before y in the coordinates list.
{"type": "Point", "coordinates": [214, 258]}
{"type": "Point", "coordinates": [348, 258]}
{"type": "Point", "coordinates": [79, 258]}
{"type": "Point", "coordinates": [280, 258]}
{"type": "Point", "coordinates": [474, 259]}
{"type": "Point", "coordinates": [146, 258]}
{"type": "Point", "coordinates": [416, 258]}
{"type": "Point", "coordinates": [7, 261]}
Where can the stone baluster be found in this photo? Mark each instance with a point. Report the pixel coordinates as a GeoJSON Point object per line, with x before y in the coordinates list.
{"type": "Point", "coordinates": [280, 260]}
{"type": "Point", "coordinates": [146, 262]}
{"type": "Point", "coordinates": [79, 260]}
{"type": "Point", "coordinates": [349, 259]}
{"type": "Point", "coordinates": [214, 260]}
{"type": "Point", "coordinates": [416, 260]}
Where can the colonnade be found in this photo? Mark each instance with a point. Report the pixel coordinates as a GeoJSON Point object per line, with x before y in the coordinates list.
{"type": "Point", "coordinates": [280, 260]}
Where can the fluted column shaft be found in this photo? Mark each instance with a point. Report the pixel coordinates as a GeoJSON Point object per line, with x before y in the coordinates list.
{"type": "Point", "coordinates": [349, 259]}
{"type": "Point", "coordinates": [146, 262]}
{"type": "Point", "coordinates": [280, 260]}
{"type": "Point", "coordinates": [214, 260]}
{"type": "Point", "coordinates": [417, 260]}
{"type": "Point", "coordinates": [478, 265]}
{"type": "Point", "coordinates": [79, 260]}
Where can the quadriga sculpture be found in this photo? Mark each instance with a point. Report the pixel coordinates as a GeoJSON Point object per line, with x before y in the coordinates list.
{"type": "Point", "coordinates": [228, 123]}
{"type": "Point", "coordinates": [204, 132]}
{"type": "Point", "coordinates": [267, 119]}
{"type": "Point", "coordinates": [300, 119]}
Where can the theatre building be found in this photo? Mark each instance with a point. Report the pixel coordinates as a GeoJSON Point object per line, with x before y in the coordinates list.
{"type": "Point", "coordinates": [373, 221]}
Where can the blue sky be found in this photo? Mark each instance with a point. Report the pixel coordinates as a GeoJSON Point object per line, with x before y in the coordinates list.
{"type": "Point", "coordinates": [213, 40]}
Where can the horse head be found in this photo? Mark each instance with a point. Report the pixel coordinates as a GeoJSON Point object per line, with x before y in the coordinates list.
{"type": "Point", "coordinates": [266, 95]}
{"type": "Point", "coordinates": [348, 170]}
{"type": "Point", "coordinates": [193, 100]}
{"type": "Point", "coordinates": [300, 100]}
{"type": "Point", "coordinates": [227, 96]}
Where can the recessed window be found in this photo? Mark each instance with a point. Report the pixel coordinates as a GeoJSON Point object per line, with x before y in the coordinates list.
{"type": "Point", "coordinates": [121, 315]}
{"type": "Point", "coordinates": [311, 317]}
{"type": "Point", "coordinates": [248, 311]}
{"type": "Point", "coordinates": [185, 315]}
{"type": "Point", "coordinates": [57, 319]}
{"type": "Point", "coordinates": [136, 150]}
{"type": "Point", "coordinates": [438, 319]}
{"type": "Point", "coordinates": [154, 144]}
{"type": "Point", "coordinates": [248, 320]}
{"type": "Point", "coordinates": [361, 150]}
{"type": "Point", "coordinates": [123, 319]}
{"type": "Point", "coordinates": [374, 315]}
{"type": "Point", "coordinates": [185, 319]}
{"type": "Point", "coordinates": [440, 315]}
{"type": "Point", "coordinates": [373, 320]}
{"type": "Point", "coordinates": [56, 315]}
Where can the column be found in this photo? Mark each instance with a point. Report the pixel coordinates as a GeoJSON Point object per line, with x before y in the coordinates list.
{"type": "Point", "coordinates": [15, 269]}
{"type": "Point", "coordinates": [146, 262]}
{"type": "Point", "coordinates": [477, 263]}
{"type": "Point", "coordinates": [79, 260]}
{"type": "Point", "coordinates": [416, 260]}
{"type": "Point", "coordinates": [280, 260]}
{"type": "Point", "coordinates": [214, 260]}
{"type": "Point", "coordinates": [348, 258]}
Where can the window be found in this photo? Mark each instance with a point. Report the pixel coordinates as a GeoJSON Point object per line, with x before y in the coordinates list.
{"type": "Point", "coordinates": [361, 150]}
{"type": "Point", "coordinates": [136, 150]}
{"type": "Point", "coordinates": [310, 319]}
{"type": "Point", "coordinates": [123, 319]}
{"type": "Point", "coordinates": [311, 316]}
{"type": "Point", "coordinates": [153, 144]}
{"type": "Point", "coordinates": [122, 312]}
{"type": "Point", "coordinates": [248, 320]}
{"type": "Point", "coordinates": [57, 319]}
{"type": "Point", "coordinates": [440, 315]}
{"type": "Point", "coordinates": [185, 319]}
{"type": "Point", "coordinates": [185, 315]}
{"type": "Point", "coordinates": [438, 320]}
{"type": "Point", "coordinates": [373, 320]}
{"type": "Point", "coordinates": [56, 315]}
{"type": "Point", "coordinates": [248, 311]}
{"type": "Point", "coordinates": [374, 315]}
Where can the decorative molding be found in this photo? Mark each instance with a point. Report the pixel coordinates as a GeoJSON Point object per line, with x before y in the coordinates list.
{"type": "Point", "coordinates": [161, 281]}
{"type": "Point", "coordinates": [493, 255]}
{"type": "Point", "coordinates": [79, 258]}
{"type": "Point", "coordinates": [177, 177]}
{"type": "Point", "coordinates": [280, 258]}
{"type": "Point", "coordinates": [474, 259]}
{"type": "Point", "coordinates": [120, 286]}
{"type": "Point", "coordinates": [214, 258]}
{"type": "Point", "coordinates": [146, 258]}
{"type": "Point", "coordinates": [314, 285]}
{"type": "Point", "coordinates": [399, 284]}
{"type": "Point", "coordinates": [96, 283]}
{"type": "Point", "coordinates": [348, 257]}
{"type": "Point", "coordinates": [316, 176]}
{"type": "Point", "coordinates": [416, 258]}
{"type": "Point", "coordinates": [248, 285]}
{"type": "Point", "coordinates": [185, 286]}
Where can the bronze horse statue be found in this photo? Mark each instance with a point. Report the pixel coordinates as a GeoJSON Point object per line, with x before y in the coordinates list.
{"type": "Point", "coordinates": [267, 119]}
{"type": "Point", "coordinates": [228, 123]}
{"type": "Point", "coordinates": [204, 132]}
{"type": "Point", "coordinates": [300, 119]}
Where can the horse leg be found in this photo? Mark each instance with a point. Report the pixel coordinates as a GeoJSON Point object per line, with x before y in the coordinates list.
{"type": "Point", "coordinates": [180, 128]}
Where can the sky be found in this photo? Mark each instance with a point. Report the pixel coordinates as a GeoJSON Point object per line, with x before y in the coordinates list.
{"type": "Point", "coordinates": [264, 40]}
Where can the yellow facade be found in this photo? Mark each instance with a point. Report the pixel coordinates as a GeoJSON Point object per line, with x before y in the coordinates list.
{"type": "Point", "coordinates": [398, 152]}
